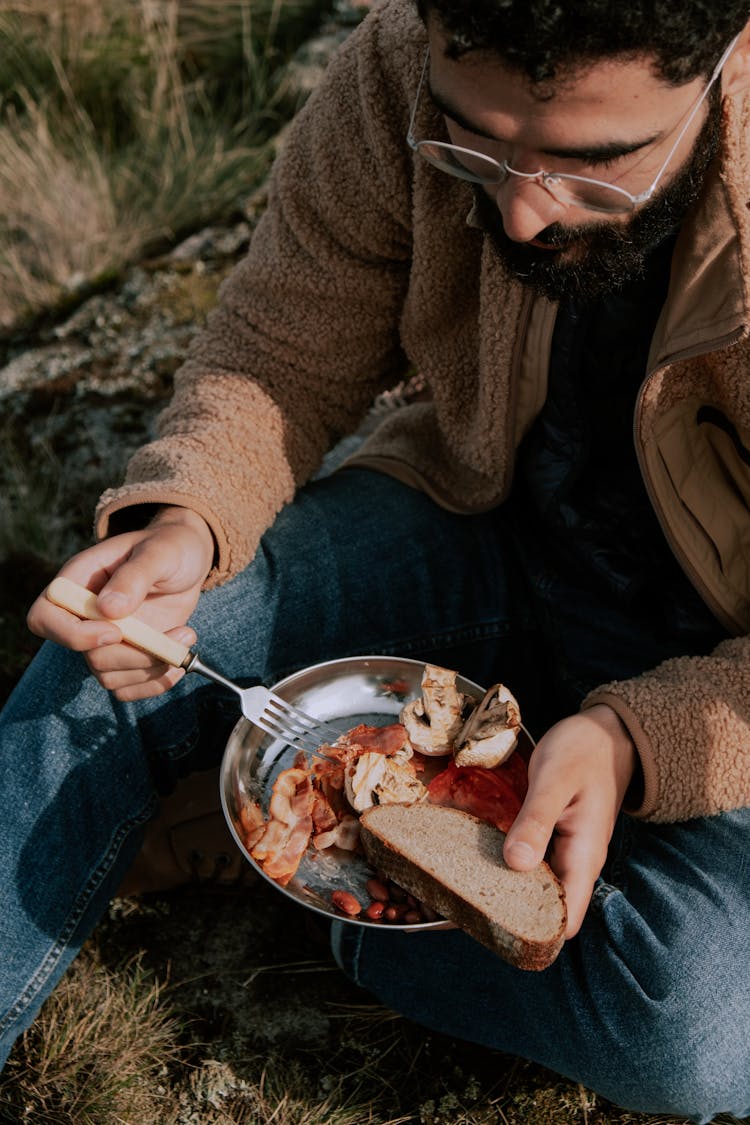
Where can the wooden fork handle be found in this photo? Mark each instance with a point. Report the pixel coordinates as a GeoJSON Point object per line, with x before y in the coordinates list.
{"type": "Point", "coordinates": [82, 602]}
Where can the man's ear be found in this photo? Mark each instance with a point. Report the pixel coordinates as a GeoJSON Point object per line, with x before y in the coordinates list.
{"type": "Point", "coordinates": [736, 76]}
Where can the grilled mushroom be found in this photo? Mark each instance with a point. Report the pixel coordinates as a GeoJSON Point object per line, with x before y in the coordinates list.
{"type": "Point", "coordinates": [491, 731]}
{"type": "Point", "coordinates": [433, 721]}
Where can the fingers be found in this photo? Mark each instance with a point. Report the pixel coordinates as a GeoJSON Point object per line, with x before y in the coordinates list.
{"type": "Point", "coordinates": [571, 837]}
{"type": "Point", "coordinates": [131, 674]}
{"type": "Point", "coordinates": [174, 555]}
{"type": "Point", "coordinates": [528, 838]}
{"type": "Point", "coordinates": [156, 573]}
{"type": "Point", "coordinates": [129, 584]}
{"type": "Point", "coordinates": [141, 683]}
{"type": "Point", "coordinates": [578, 774]}
{"type": "Point", "coordinates": [90, 568]}
{"type": "Point", "coordinates": [125, 659]}
{"type": "Point", "coordinates": [55, 624]}
{"type": "Point", "coordinates": [577, 858]}
{"type": "Point", "coordinates": [126, 671]}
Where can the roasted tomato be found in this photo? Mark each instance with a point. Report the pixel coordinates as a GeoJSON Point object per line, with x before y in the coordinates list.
{"type": "Point", "coordinates": [494, 795]}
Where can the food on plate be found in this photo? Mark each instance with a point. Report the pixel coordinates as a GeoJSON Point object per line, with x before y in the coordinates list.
{"type": "Point", "coordinates": [316, 804]}
{"type": "Point", "coordinates": [494, 795]}
{"type": "Point", "coordinates": [434, 719]}
{"type": "Point", "coordinates": [388, 903]}
{"type": "Point", "coordinates": [346, 903]}
{"type": "Point", "coordinates": [453, 862]}
{"type": "Point", "coordinates": [443, 720]}
{"type": "Point", "coordinates": [281, 846]}
{"type": "Point", "coordinates": [490, 734]}
{"type": "Point", "coordinates": [374, 778]}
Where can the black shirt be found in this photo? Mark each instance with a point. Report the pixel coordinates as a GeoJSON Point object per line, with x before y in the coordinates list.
{"type": "Point", "coordinates": [578, 481]}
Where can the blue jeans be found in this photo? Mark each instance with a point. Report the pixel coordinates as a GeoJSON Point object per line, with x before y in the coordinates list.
{"type": "Point", "coordinates": [649, 1006]}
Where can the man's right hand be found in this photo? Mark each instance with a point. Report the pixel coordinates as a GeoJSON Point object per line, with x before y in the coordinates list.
{"type": "Point", "coordinates": [157, 574]}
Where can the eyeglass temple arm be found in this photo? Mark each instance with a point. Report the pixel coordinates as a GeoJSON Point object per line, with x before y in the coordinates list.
{"type": "Point", "coordinates": [411, 139]}
{"type": "Point", "coordinates": [714, 75]}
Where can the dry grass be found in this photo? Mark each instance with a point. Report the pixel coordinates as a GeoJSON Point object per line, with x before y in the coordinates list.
{"type": "Point", "coordinates": [281, 1094]}
{"type": "Point", "coordinates": [113, 1046]}
{"type": "Point", "coordinates": [98, 1053]}
{"type": "Point", "coordinates": [124, 124]}
{"type": "Point", "coordinates": [227, 1016]}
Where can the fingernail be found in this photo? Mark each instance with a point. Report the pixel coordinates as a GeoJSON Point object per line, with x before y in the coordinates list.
{"type": "Point", "coordinates": [521, 853]}
{"type": "Point", "coordinates": [113, 601]}
{"type": "Point", "coordinates": [109, 639]}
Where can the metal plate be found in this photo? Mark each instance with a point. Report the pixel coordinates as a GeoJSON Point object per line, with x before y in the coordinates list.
{"type": "Point", "coordinates": [362, 689]}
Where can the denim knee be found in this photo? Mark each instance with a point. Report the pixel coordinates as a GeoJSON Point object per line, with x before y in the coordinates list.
{"type": "Point", "coordinates": [695, 1065]}
{"type": "Point", "coordinates": [663, 1043]}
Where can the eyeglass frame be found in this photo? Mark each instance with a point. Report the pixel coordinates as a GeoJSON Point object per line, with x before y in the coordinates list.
{"type": "Point", "coordinates": [546, 179]}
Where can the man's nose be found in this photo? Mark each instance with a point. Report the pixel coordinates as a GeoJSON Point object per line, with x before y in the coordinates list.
{"type": "Point", "coordinates": [527, 208]}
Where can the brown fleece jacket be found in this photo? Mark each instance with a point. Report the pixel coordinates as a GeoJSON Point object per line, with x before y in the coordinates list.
{"type": "Point", "coordinates": [368, 262]}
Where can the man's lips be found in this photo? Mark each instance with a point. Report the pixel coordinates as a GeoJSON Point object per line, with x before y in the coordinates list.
{"type": "Point", "coordinates": [540, 245]}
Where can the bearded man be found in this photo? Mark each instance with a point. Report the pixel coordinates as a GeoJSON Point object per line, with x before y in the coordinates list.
{"type": "Point", "coordinates": [541, 208]}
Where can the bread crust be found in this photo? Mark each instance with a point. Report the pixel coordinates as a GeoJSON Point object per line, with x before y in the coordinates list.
{"type": "Point", "coordinates": [502, 931]}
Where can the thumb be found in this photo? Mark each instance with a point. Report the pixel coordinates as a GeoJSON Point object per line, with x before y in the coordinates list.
{"type": "Point", "coordinates": [123, 594]}
{"type": "Point", "coordinates": [521, 855]}
{"type": "Point", "coordinates": [528, 837]}
{"type": "Point", "coordinates": [170, 558]}
{"type": "Point", "coordinates": [133, 580]}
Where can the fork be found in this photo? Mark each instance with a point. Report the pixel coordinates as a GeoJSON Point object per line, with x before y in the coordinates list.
{"type": "Point", "coordinates": [259, 705]}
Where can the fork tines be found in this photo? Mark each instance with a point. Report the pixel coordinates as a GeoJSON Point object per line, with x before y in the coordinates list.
{"type": "Point", "coordinates": [283, 731]}
{"type": "Point", "coordinates": [284, 721]}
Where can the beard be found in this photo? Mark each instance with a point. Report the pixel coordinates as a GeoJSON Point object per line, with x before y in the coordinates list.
{"type": "Point", "coordinates": [605, 256]}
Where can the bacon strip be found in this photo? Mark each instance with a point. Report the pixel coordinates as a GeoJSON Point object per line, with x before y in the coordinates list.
{"type": "Point", "coordinates": [364, 738]}
{"type": "Point", "coordinates": [252, 822]}
{"type": "Point", "coordinates": [289, 828]}
{"type": "Point", "coordinates": [309, 801]}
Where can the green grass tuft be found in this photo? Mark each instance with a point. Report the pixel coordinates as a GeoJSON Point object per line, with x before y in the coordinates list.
{"type": "Point", "coordinates": [98, 1054]}
{"type": "Point", "coordinates": [124, 125]}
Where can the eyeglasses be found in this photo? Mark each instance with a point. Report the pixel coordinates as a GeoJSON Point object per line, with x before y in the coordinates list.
{"type": "Point", "coordinates": [576, 191]}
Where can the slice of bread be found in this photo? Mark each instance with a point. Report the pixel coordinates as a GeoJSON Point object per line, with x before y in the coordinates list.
{"type": "Point", "coordinates": [453, 862]}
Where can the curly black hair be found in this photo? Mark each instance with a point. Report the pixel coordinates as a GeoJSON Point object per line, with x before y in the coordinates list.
{"type": "Point", "coordinates": [546, 38]}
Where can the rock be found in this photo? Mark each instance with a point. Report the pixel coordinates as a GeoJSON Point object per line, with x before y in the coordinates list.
{"type": "Point", "coordinates": [89, 390]}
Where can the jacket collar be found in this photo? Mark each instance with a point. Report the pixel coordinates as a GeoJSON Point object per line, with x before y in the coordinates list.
{"type": "Point", "coordinates": [708, 300]}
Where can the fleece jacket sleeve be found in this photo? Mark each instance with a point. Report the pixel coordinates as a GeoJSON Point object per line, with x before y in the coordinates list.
{"type": "Point", "coordinates": [690, 721]}
{"type": "Point", "coordinates": [306, 331]}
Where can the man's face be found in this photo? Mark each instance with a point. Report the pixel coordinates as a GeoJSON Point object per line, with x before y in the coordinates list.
{"type": "Point", "coordinates": [615, 121]}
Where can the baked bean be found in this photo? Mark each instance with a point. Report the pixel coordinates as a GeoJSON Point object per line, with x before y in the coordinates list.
{"type": "Point", "coordinates": [377, 890]}
{"type": "Point", "coordinates": [392, 904]}
{"type": "Point", "coordinates": [346, 902]}
{"type": "Point", "coordinates": [395, 911]}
